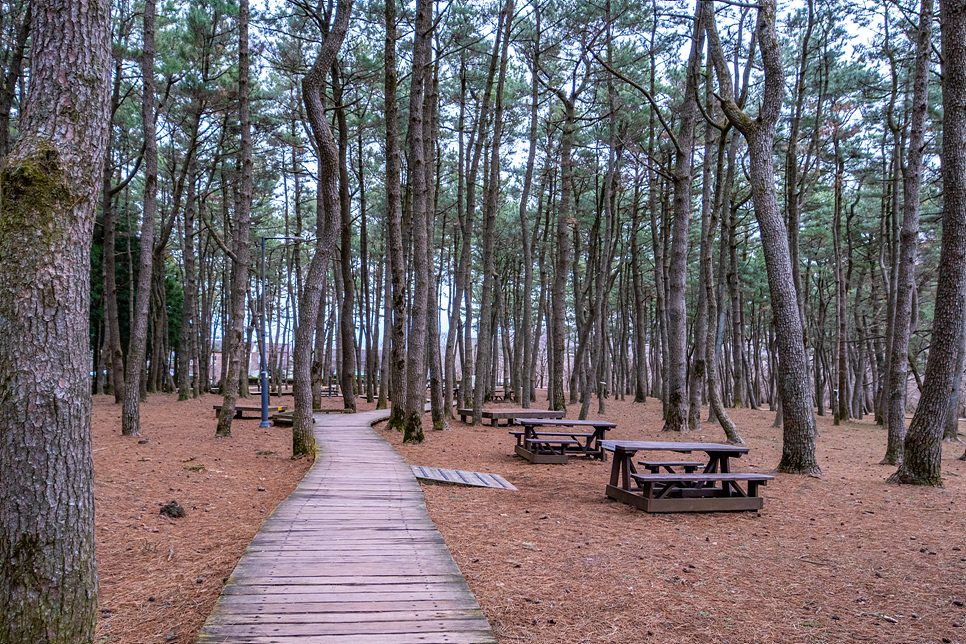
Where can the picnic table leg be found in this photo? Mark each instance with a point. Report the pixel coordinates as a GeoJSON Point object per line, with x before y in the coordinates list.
{"type": "Point", "coordinates": [615, 470]}
{"type": "Point", "coordinates": [597, 438]}
{"type": "Point", "coordinates": [712, 466]}
{"type": "Point", "coordinates": [626, 470]}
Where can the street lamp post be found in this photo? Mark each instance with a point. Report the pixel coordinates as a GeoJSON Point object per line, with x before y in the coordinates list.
{"type": "Point", "coordinates": [263, 375]}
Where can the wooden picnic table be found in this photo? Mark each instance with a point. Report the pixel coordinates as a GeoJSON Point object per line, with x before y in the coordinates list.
{"type": "Point", "coordinates": [684, 490]}
{"type": "Point", "coordinates": [540, 446]}
{"type": "Point", "coordinates": [510, 415]}
{"type": "Point", "coordinates": [241, 409]}
{"type": "Point", "coordinates": [502, 395]}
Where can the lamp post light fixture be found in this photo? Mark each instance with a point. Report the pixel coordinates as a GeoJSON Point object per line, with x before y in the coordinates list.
{"type": "Point", "coordinates": [263, 374]}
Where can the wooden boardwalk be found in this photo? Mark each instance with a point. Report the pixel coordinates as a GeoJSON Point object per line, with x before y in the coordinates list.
{"type": "Point", "coordinates": [351, 557]}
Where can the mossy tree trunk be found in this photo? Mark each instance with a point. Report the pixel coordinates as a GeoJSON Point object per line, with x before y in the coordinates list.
{"type": "Point", "coordinates": [50, 189]}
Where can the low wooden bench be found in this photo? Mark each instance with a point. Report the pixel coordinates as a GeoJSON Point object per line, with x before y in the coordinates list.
{"type": "Point", "coordinates": [654, 467]}
{"type": "Point", "coordinates": [241, 409]}
{"type": "Point", "coordinates": [698, 492]}
{"type": "Point", "coordinates": [543, 449]}
{"type": "Point", "coordinates": [509, 415]}
{"type": "Point", "coordinates": [286, 418]}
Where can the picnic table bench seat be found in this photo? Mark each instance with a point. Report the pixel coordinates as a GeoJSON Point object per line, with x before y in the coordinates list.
{"type": "Point", "coordinates": [519, 434]}
{"type": "Point", "coordinates": [540, 449]}
{"type": "Point", "coordinates": [699, 491]}
{"type": "Point", "coordinates": [654, 467]}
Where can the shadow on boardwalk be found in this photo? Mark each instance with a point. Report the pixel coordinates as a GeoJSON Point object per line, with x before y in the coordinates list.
{"type": "Point", "coordinates": [350, 557]}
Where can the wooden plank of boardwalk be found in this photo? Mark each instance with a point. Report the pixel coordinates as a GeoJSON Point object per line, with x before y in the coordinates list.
{"type": "Point", "coordinates": [351, 557]}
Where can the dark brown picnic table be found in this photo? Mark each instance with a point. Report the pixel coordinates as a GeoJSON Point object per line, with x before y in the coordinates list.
{"type": "Point", "coordinates": [241, 409]}
{"type": "Point", "coordinates": [539, 445]}
{"type": "Point", "coordinates": [683, 491]}
{"type": "Point", "coordinates": [509, 415]}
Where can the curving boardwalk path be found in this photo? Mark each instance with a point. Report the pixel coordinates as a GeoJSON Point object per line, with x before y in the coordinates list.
{"type": "Point", "coordinates": [350, 557]}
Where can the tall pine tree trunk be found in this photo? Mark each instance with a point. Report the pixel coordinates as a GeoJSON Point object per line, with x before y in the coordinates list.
{"type": "Point", "coordinates": [137, 348]}
{"type": "Point", "coordinates": [237, 374]}
{"type": "Point", "coordinates": [327, 209]}
{"type": "Point", "coordinates": [676, 416]}
{"type": "Point", "coordinates": [922, 449]}
{"type": "Point", "coordinates": [905, 282]}
{"type": "Point", "coordinates": [798, 447]}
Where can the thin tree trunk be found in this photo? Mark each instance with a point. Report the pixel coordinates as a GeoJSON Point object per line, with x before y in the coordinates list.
{"type": "Point", "coordinates": [327, 209]}
{"type": "Point", "coordinates": [486, 327]}
{"type": "Point", "coordinates": [798, 449]}
{"type": "Point", "coordinates": [347, 367]}
{"type": "Point", "coordinates": [397, 264]}
{"type": "Point", "coordinates": [905, 281]}
{"type": "Point", "coordinates": [237, 374]}
{"type": "Point", "coordinates": [419, 190]}
{"type": "Point", "coordinates": [137, 349]}
{"type": "Point", "coordinates": [676, 416]}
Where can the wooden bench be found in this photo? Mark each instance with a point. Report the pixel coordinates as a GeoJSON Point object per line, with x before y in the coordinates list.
{"type": "Point", "coordinates": [654, 467]}
{"type": "Point", "coordinates": [544, 449]}
{"type": "Point", "coordinates": [286, 418]}
{"type": "Point", "coordinates": [509, 415]}
{"type": "Point", "coordinates": [241, 409]}
{"type": "Point", "coordinates": [698, 492]}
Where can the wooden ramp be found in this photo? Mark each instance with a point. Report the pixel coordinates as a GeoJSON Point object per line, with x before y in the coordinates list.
{"type": "Point", "coordinates": [460, 477]}
{"type": "Point", "coordinates": [351, 557]}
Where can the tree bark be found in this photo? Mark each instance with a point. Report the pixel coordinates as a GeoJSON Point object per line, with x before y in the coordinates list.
{"type": "Point", "coordinates": [419, 190]}
{"type": "Point", "coordinates": [50, 184]}
{"type": "Point", "coordinates": [397, 263]}
{"type": "Point", "coordinates": [905, 282]}
{"type": "Point", "coordinates": [922, 449]}
{"type": "Point", "coordinates": [676, 412]}
{"type": "Point", "coordinates": [237, 374]}
{"type": "Point", "coordinates": [137, 348]}
{"type": "Point", "coordinates": [109, 222]}
{"type": "Point", "coordinates": [347, 367]}
{"type": "Point", "coordinates": [798, 445]}
{"type": "Point", "coordinates": [487, 331]}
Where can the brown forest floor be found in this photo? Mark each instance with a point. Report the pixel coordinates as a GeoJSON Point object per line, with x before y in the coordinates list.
{"type": "Point", "coordinates": [842, 558]}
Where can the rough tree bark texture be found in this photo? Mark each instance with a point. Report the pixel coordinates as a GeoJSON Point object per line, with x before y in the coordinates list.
{"type": "Point", "coordinates": [115, 353]}
{"type": "Point", "coordinates": [798, 444]}
{"type": "Point", "coordinates": [50, 187]}
{"type": "Point", "coordinates": [561, 275]}
{"type": "Point", "coordinates": [237, 369]}
{"type": "Point", "coordinates": [676, 412]}
{"type": "Point", "coordinates": [487, 333]}
{"type": "Point", "coordinates": [419, 190]}
{"type": "Point", "coordinates": [905, 282]}
{"type": "Point", "coordinates": [137, 347]}
{"type": "Point", "coordinates": [923, 445]}
{"type": "Point", "coordinates": [347, 327]}
{"type": "Point", "coordinates": [397, 263]}
{"type": "Point", "coordinates": [303, 441]}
